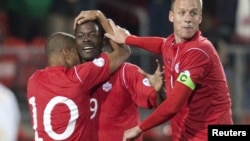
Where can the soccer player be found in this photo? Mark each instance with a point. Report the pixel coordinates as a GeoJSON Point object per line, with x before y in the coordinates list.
{"type": "Point", "coordinates": [197, 89]}
{"type": "Point", "coordinates": [114, 104]}
{"type": "Point", "coordinates": [59, 94]}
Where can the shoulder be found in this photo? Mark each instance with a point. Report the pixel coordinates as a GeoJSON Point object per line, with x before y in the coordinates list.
{"type": "Point", "coordinates": [35, 75]}
{"type": "Point", "coordinates": [129, 70]}
{"type": "Point", "coordinates": [129, 67]}
{"type": "Point", "coordinates": [201, 45]}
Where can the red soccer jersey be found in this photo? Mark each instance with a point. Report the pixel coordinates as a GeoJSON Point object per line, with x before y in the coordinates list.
{"type": "Point", "coordinates": [114, 105]}
{"type": "Point", "coordinates": [208, 103]}
{"type": "Point", "coordinates": [59, 100]}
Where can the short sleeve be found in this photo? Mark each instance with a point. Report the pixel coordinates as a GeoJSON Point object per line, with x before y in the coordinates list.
{"type": "Point", "coordinates": [139, 87]}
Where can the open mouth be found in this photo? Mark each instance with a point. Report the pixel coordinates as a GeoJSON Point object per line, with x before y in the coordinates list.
{"type": "Point", "coordinates": [87, 49]}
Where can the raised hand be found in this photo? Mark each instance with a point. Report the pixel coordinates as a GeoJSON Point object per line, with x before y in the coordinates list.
{"type": "Point", "coordinates": [156, 79]}
{"type": "Point", "coordinates": [87, 16]}
{"type": "Point", "coordinates": [120, 34]}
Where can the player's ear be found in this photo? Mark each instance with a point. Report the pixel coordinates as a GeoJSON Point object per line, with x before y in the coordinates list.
{"type": "Point", "coordinates": [65, 51]}
{"type": "Point", "coordinates": [171, 16]}
{"type": "Point", "coordinates": [200, 19]}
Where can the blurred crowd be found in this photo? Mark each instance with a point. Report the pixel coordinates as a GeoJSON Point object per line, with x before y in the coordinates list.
{"type": "Point", "coordinates": [31, 21]}
{"type": "Point", "coordinates": [27, 23]}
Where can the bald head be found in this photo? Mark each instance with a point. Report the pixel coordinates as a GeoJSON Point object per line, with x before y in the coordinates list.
{"type": "Point", "coordinates": [58, 41]}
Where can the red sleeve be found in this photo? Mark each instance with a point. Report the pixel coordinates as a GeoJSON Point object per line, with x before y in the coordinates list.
{"type": "Point", "coordinates": [198, 63]}
{"type": "Point", "coordinates": [151, 44]}
{"type": "Point", "coordinates": [93, 72]}
{"type": "Point", "coordinates": [168, 108]}
{"type": "Point", "coordinates": [139, 87]}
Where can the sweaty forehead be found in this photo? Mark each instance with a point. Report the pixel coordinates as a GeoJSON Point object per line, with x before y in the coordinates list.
{"type": "Point", "coordinates": [87, 27]}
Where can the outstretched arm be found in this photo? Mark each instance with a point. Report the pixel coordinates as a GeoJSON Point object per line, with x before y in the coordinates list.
{"type": "Point", "coordinates": [122, 36]}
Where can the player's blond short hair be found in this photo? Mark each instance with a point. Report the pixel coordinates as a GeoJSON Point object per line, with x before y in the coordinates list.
{"type": "Point", "coordinates": [200, 1]}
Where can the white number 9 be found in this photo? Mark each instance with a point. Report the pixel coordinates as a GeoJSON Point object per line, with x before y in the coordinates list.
{"type": "Point", "coordinates": [93, 107]}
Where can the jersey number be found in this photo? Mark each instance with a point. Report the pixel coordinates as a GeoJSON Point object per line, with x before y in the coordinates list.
{"type": "Point", "coordinates": [93, 107]}
{"type": "Point", "coordinates": [74, 113]}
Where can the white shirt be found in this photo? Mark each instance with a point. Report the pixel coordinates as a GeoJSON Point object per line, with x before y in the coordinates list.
{"type": "Point", "coordinates": [9, 115]}
{"type": "Point", "coordinates": [243, 19]}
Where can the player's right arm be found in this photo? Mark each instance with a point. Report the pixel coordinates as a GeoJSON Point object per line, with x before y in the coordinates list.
{"type": "Point", "coordinates": [122, 36]}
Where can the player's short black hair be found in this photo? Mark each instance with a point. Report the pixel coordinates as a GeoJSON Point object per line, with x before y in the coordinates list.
{"type": "Point", "coordinates": [58, 41]}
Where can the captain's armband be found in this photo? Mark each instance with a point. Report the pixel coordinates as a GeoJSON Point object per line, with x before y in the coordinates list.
{"type": "Point", "coordinates": [184, 78]}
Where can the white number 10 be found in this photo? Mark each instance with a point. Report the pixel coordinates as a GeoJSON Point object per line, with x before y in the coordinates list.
{"type": "Point", "coordinates": [74, 113]}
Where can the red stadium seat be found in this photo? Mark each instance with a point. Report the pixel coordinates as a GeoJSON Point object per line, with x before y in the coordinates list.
{"type": "Point", "coordinates": [11, 41]}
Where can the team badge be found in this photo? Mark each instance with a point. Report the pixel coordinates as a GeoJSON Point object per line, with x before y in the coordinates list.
{"type": "Point", "coordinates": [145, 82]}
{"type": "Point", "coordinates": [106, 86]}
{"type": "Point", "coordinates": [99, 62]}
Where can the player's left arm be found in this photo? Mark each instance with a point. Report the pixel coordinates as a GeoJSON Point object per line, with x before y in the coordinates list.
{"type": "Point", "coordinates": [164, 112]}
{"type": "Point", "coordinates": [193, 69]}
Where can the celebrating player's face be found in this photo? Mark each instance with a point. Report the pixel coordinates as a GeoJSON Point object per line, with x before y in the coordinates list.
{"type": "Point", "coordinates": [186, 17]}
{"type": "Point", "coordinates": [89, 40]}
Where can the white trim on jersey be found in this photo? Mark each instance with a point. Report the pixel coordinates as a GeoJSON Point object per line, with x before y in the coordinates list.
{"type": "Point", "coordinates": [123, 76]}
{"type": "Point", "coordinates": [77, 74]}
{"type": "Point", "coordinates": [199, 50]}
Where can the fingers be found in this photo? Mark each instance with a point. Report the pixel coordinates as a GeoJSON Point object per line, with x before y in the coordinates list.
{"type": "Point", "coordinates": [77, 19]}
{"type": "Point", "coordinates": [83, 17]}
{"type": "Point", "coordinates": [119, 34]}
{"type": "Point", "coordinates": [109, 36]}
{"type": "Point", "coordinates": [158, 69]}
{"type": "Point", "coordinates": [112, 24]}
{"type": "Point", "coordinates": [158, 65]}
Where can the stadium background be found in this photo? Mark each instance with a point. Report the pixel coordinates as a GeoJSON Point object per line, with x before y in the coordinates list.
{"type": "Point", "coordinates": [20, 56]}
